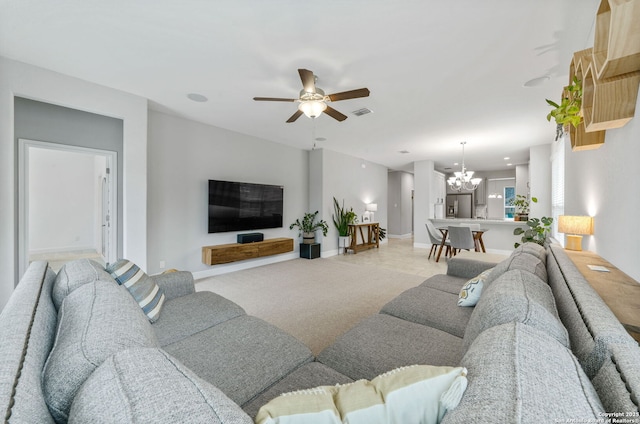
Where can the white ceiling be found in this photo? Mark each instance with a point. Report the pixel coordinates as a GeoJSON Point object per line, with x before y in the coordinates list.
{"type": "Point", "coordinates": [440, 72]}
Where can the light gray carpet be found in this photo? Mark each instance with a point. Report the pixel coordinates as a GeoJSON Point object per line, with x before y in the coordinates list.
{"type": "Point", "coordinates": [313, 300]}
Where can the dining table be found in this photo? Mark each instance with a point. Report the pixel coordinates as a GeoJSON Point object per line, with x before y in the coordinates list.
{"type": "Point", "coordinates": [477, 239]}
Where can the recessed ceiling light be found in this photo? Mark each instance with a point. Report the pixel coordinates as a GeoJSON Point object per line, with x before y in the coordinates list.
{"type": "Point", "coordinates": [537, 81]}
{"type": "Point", "coordinates": [455, 163]}
{"type": "Point", "coordinates": [507, 158]}
{"type": "Point", "coordinates": [509, 164]}
{"type": "Point", "coordinates": [197, 97]}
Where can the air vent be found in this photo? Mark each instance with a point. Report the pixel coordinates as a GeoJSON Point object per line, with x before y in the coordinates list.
{"type": "Point", "coordinates": [404, 152]}
{"type": "Point", "coordinates": [362, 111]}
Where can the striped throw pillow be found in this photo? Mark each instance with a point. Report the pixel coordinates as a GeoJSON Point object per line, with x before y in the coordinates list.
{"type": "Point", "coordinates": [142, 287]}
{"type": "Point", "coordinates": [417, 394]}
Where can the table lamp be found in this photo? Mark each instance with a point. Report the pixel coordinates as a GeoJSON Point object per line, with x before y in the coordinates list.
{"type": "Point", "coordinates": [574, 227]}
{"type": "Point", "coordinates": [371, 208]}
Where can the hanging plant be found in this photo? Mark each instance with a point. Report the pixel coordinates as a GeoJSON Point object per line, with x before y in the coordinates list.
{"type": "Point", "coordinates": [569, 109]}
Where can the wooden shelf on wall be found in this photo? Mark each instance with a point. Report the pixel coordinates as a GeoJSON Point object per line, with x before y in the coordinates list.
{"type": "Point", "coordinates": [580, 138]}
{"type": "Point", "coordinates": [608, 103]}
{"type": "Point", "coordinates": [226, 253]}
{"type": "Point", "coordinates": [616, 45]}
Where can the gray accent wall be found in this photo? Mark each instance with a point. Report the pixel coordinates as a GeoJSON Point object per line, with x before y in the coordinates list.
{"type": "Point", "coordinates": [42, 121]}
{"type": "Point", "coordinates": [183, 156]}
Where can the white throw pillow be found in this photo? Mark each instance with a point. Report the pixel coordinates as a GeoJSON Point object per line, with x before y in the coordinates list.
{"type": "Point", "coordinates": [418, 394]}
{"type": "Point", "coordinates": [471, 291]}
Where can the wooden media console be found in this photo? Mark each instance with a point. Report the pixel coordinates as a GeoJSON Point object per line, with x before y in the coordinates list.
{"type": "Point", "coordinates": [225, 253]}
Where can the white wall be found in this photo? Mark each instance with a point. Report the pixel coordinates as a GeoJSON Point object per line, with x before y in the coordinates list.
{"type": "Point", "coordinates": [604, 183]}
{"type": "Point", "coordinates": [423, 183]}
{"type": "Point", "coordinates": [400, 219]}
{"type": "Point", "coordinates": [540, 180]}
{"type": "Point", "coordinates": [183, 156]}
{"type": "Point", "coordinates": [19, 79]}
{"type": "Point", "coordinates": [62, 194]}
{"type": "Point", "coordinates": [344, 177]}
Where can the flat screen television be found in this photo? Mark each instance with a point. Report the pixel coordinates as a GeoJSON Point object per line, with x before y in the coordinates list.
{"type": "Point", "coordinates": [237, 206]}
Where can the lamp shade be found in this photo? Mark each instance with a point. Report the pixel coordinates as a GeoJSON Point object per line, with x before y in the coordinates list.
{"type": "Point", "coordinates": [575, 224]}
{"type": "Point", "coordinates": [372, 207]}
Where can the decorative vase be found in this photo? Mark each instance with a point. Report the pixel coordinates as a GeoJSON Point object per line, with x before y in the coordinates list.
{"type": "Point", "coordinates": [308, 238]}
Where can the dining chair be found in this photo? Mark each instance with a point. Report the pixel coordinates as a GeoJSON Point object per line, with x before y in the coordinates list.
{"type": "Point", "coordinates": [436, 239]}
{"type": "Point", "coordinates": [460, 238]}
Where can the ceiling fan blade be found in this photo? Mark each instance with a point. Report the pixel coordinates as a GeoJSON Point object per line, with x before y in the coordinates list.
{"type": "Point", "coordinates": [273, 99]}
{"type": "Point", "coordinates": [294, 116]}
{"type": "Point", "coordinates": [335, 114]}
{"type": "Point", "coordinates": [308, 80]}
{"type": "Point", "coordinates": [351, 94]}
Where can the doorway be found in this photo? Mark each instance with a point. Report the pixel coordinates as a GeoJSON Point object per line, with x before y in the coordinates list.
{"type": "Point", "coordinates": [67, 196]}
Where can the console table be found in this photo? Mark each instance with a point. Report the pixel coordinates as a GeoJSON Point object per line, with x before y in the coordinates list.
{"type": "Point", "coordinates": [371, 240]}
{"type": "Point", "coordinates": [225, 253]}
{"type": "Point", "coordinates": [620, 292]}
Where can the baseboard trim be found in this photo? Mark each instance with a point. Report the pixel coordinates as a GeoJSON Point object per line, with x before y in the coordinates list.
{"type": "Point", "coordinates": [400, 236]}
{"type": "Point", "coordinates": [239, 266]}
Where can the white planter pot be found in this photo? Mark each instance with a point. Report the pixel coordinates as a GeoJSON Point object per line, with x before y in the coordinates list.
{"type": "Point", "coordinates": [343, 243]}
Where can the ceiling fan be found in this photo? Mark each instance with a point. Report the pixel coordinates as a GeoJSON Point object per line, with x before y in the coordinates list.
{"type": "Point", "coordinates": [313, 101]}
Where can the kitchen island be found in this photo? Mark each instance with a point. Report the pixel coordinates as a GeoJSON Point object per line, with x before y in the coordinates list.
{"type": "Point", "coordinates": [498, 239]}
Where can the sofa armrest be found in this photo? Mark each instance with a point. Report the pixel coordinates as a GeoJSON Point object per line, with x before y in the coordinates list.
{"type": "Point", "coordinates": [175, 284]}
{"type": "Point", "coordinates": [467, 268]}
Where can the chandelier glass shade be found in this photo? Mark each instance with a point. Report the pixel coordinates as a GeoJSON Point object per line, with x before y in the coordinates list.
{"type": "Point", "coordinates": [312, 108]}
{"type": "Point", "coordinates": [463, 180]}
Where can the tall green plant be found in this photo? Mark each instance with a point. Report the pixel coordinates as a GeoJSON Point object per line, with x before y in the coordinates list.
{"type": "Point", "coordinates": [342, 218]}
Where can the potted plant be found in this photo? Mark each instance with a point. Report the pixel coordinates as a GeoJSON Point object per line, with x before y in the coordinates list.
{"type": "Point", "coordinates": [521, 204]}
{"type": "Point", "coordinates": [309, 226]}
{"type": "Point", "coordinates": [341, 219]}
{"type": "Point", "coordinates": [569, 109]}
{"type": "Point", "coordinates": [538, 231]}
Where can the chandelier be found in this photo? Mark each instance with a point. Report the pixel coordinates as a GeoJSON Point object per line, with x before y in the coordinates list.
{"type": "Point", "coordinates": [463, 180]}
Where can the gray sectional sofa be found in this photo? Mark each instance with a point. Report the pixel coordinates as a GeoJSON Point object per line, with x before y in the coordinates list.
{"type": "Point", "coordinates": [539, 346]}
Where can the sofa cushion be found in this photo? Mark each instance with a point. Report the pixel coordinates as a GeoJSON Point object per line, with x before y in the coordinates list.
{"type": "Point", "coordinates": [382, 342]}
{"type": "Point", "coordinates": [311, 374]}
{"type": "Point", "coordinates": [533, 249]}
{"type": "Point", "coordinates": [187, 315]}
{"type": "Point", "coordinates": [431, 307]}
{"type": "Point", "coordinates": [472, 289]}
{"type": "Point", "coordinates": [94, 322]}
{"type": "Point", "coordinates": [591, 325]}
{"type": "Point", "coordinates": [618, 380]}
{"type": "Point", "coordinates": [519, 260]}
{"type": "Point", "coordinates": [27, 331]}
{"type": "Point", "coordinates": [242, 356]}
{"type": "Point", "coordinates": [146, 385]}
{"type": "Point", "coordinates": [142, 287]}
{"type": "Point", "coordinates": [518, 374]}
{"type": "Point", "coordinates": [75, 274]}
{"type": "Point", "coordinates": [418, 394]}
{"type": "Point", "coordinates": [445, 283]}
{"type": "Point", "coordinates": [520, 297]}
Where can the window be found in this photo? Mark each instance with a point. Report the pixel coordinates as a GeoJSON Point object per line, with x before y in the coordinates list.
{"type": "Point", "coordinates": [509, 197]}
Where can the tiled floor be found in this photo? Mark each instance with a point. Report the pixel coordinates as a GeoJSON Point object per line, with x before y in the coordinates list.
{"type": "Point", "coordinates": [398, 255]}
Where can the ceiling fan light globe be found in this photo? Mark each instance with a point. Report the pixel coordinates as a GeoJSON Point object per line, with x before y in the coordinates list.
{"type": "Point", "coordinates": [312, 108]}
